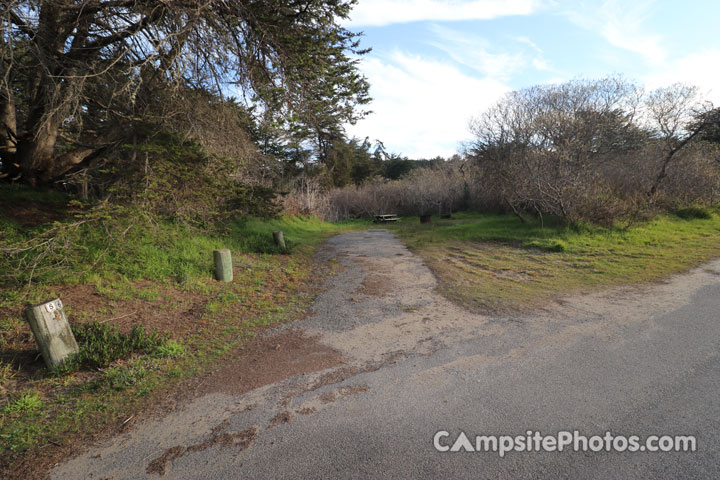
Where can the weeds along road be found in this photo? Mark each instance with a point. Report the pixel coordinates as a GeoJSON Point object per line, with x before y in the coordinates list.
{"type": "Point", "coordinates": [633, 361]}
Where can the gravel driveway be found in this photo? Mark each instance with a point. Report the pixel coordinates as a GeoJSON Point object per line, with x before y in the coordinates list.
{"type": "Point", "coordinates": [633, 361]}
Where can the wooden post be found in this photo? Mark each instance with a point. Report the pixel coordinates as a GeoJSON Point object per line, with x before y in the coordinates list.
{"type": "Point", "coordinates": [279, 239]}
{"type": "Point", "coordinates": [223, 265]}
{"type": "Point", "coordinates": [52, 332]}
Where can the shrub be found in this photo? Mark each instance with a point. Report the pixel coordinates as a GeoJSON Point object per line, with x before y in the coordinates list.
{"type": "Point", "coordinates": [694, 211]}
{"type": "Point", "coordinates": [548, 246]}
{"type": "Point", "coordinates": [101, 344]}
{"type": "Point", "coordinates": [26, 402]}
{"type": "Point", "coordinates": [171, 348]}
{"type": "Point", "coordinates": [118, 378]}
{"type": "Point", "coordinates": [438, 190]}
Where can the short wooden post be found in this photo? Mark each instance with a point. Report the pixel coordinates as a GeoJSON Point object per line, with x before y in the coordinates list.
{"type": "Point", "coordinates": [279, 239]}
{"type": "Point", "coordinates": [223, 265]}
{"type": "Point", "coordinates": [52, 332]}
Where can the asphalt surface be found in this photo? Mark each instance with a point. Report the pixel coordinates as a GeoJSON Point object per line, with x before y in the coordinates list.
{"type": "Point", "coordinates": [633, 361]}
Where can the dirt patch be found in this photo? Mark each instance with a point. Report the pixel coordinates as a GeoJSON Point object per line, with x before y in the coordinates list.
{"type": "Point", "coordinates": [328, 397]}
{"type": "Point", "coordinates": [280, 418]}
{"type": "Point", "coordinates": [353, 390]}
{"type": "Point", "coordinates": [160, 464]}
{"type": "Point", "coordinates": [306, 411]}
{"type": "Point", "coordinates": [477, 267]}
{"type": "Point", "coordinates": [166, 309]}
{"type": "Point", "coordinates": [266, 360]}
{"type": "Point", "coordinates": [241, 439]}
{"type": "Point", "coordinates": [31, 213]}
{"type": "Point", "coordinates": [341, 374]}
{"type": "Point", "coordinates": [375, 285]}
{"type": "Point", "coordinates": [372, 264]}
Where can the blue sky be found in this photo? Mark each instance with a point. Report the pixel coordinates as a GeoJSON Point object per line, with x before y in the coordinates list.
{"type": "Point", "coordinates": [435, 64]}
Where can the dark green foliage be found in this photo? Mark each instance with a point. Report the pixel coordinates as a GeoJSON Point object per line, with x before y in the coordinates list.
{"type": "Point", "coordinates": [179, 179]}
{"type": "Point", "coordinates": [396, 167]}
{"type": "Point", "coordinates": [547, 245]}
{"type": "Point", "coordinates": [350, 160]}
{"type": "Point", "coordinates": [708, 125]}
{"type": "Point", "coordinates": [82, 69]}
{"type": "Point", "coordinates": [253, 200]}
{"type": "Point", "coordinates": [694, 211]}
{"type": "Point", "coordinates": [101, 344]}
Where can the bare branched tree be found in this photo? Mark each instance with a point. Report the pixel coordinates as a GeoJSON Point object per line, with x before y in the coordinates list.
{"type": "Point", "coordinates": [670, 112]}
{"type": "Point", "coordinates": [587, 150]}
{"type": "Point", "coordinates": [542, 147]}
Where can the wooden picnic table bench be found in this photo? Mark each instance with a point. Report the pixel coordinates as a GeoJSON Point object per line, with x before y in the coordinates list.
{"type": "Point", "coordinates": [386, 218]}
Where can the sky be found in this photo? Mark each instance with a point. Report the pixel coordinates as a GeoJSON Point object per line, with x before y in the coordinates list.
{"type": "Point", "coordinates": [435, 64]}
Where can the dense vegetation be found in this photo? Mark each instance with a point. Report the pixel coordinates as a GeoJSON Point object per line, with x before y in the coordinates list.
{"type": "Point", "coordinates": [599, 151]}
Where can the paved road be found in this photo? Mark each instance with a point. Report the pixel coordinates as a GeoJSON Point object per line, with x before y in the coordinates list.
{"type": "Point", "coordinates": [633, 361]}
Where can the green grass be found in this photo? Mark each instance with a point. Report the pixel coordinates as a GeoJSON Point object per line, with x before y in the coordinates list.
{"type": "Point", "coordinates": [7, 371]}
{"type": "Point", "coordinates": [127, 256]}
{"type": "Point", "coordinates": [101, 344]}
{"type": "Point", "coordinates": [110, 244]}
{"type": "Point", "coordinates": [170, 348]}
{"type": "Point", "coordinates": [141, 248]}
{"type": "Point", "coordinates": [496, 263]}
{"type": "Point", "coordinates": [26, 402]}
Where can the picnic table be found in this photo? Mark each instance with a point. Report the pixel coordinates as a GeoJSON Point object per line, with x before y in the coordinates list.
{"type": "Point", "coordinates": [386, 218]}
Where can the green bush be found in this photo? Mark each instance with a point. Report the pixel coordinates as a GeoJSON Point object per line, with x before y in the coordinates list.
{"type": "Point", "coordinates": [547, 245]}
{"type": "Point", "coordinates": [119, 378]}
{"type": "Point", "coordinates": [694, 211]}
{"type": "Point", "coordinates": [25, 402]}
{"type": "Point", "coordinates": [101, 344]}
{"type": "Point", "coordinates": [171, 348]}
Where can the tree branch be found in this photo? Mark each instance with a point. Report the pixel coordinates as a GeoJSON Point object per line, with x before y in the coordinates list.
{"type": "Point", "coordinates": [21, 24]}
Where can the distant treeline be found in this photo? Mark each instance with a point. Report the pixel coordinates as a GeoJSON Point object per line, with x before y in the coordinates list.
{"type": "Point", "coordinates": [599, 151]}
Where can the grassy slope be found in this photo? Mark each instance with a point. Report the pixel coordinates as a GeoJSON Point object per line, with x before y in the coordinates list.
{"type": "Point", "coordinates": [157, 269]}
{"type": "Point", "coordinates": [495, 263]}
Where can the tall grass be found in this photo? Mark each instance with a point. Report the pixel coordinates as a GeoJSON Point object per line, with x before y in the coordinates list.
{"type": "Point", "coordinates": [131, 244]}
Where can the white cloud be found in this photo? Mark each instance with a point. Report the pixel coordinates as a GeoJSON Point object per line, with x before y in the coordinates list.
{"type": "Point", "coordinates": [472, 51]}
{"type": "Point", "coordinates": [422, 107]}
{"type": "Point", "coordinates": [387, 12]}
{"type": "Point", "coordinates": [542, 65]}
{"type": "Point", "coordinates": [622, 24]}
{"type": "Point", "coordinates": [701, 69]}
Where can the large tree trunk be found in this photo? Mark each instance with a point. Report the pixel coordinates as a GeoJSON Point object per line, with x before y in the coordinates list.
{"type": "Point", "coordinates": [36, 150]}
{"type": "Point", "coordinates": [48, 99]}
{"type": "Point", "coordinates": [8, 126]}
